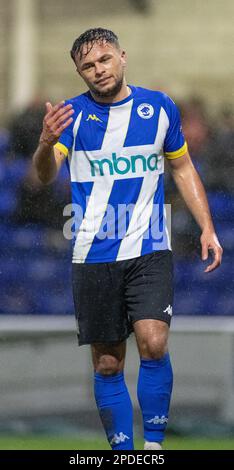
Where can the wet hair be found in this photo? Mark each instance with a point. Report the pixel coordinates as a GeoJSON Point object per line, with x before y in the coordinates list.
{"type": "Point", "coordinates": [90, 37]}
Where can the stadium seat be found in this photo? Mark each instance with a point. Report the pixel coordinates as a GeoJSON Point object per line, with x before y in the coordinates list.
{"type": "Point", "coordinates": [16, 170]}
{"type": "Point", "coordinates": [8, 201]}
{"type": "Point", "coordinates": [225, 232]}
{"type": "Point", "coordinates": [221, 205]}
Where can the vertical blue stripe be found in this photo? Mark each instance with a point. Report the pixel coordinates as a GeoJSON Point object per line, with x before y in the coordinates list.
{"type": "Point", "coordinates": [92, 131]}
{"type": "Point", "coordinates": [124, 195]}
{"type": "Point", "coordinates": [155, 238]}
{"type": "Point", "coordinates": [142, 131]}
{"type": "Point", "coordinates": [174, 138]}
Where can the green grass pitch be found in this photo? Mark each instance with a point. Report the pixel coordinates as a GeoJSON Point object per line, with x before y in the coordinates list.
{"type": "Point", "coordinates": [75, 443]}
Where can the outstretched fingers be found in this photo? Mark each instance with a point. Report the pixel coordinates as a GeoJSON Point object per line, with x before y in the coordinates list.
{"type": "Point", "coordinates": [63, 126]}
{"type": "Point", "coordinates": [57, 118]}
{"type": "Point", "coordinates": [51, 110]}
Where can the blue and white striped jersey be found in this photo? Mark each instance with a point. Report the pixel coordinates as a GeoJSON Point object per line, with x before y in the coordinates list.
{"type": "Point", "coordinates": [116, 163]}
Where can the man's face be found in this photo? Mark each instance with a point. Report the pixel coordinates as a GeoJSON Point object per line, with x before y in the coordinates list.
{"type": "Point", "coordinates": [102, 68]}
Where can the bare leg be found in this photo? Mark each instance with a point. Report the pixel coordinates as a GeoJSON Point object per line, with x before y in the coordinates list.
{"type": "Point", "coordinates": [108, 358]}
{"type": "Point", "coordinates": [152, 338]}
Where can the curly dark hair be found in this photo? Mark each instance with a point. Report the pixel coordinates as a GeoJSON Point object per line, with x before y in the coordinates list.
{"type": "Point", "coordinates": [90, 37]}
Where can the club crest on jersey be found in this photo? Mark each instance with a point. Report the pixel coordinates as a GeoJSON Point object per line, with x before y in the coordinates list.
{"type": "Point", "coordinates": [145, 111]}
{"type": "Point", "coordinates": [93, 117]}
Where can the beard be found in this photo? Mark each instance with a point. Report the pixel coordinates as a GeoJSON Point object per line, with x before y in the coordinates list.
{"type": "Point", "coordinates": [109, 92]}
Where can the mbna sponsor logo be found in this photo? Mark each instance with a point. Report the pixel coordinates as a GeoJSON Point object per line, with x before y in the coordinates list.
{"type": "Point", "coordinates": [124, 165]}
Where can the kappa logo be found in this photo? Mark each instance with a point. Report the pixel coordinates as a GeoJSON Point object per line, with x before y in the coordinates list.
{"type": "Point", "coordinates": [145, 111]}
{"type": "Point", "coordinates": [93, 117]}
{"type": "Point", "coordinates": [158, 420]}
{"type": "Point", "coordinates": [121, 437]}
{"type": "Point", "coordinates": [168, 310]}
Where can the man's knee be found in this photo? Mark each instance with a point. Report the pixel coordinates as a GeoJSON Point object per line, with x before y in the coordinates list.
{"type": "Point", "coordinates": [108, 365]}
{"type": "Point", "coordinates": [154, 346]}
{"type": "Point", "coordinates": [108, 360]}
{"type": "Point", "coordinates": [152, 338]}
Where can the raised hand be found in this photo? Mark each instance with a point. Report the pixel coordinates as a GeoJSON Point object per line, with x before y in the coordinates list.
{"type": "Point", "coordinates": [57, 118]}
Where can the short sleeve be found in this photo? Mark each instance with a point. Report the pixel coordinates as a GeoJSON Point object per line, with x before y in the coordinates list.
{"type": "Point", "coordinates": [174, 143]}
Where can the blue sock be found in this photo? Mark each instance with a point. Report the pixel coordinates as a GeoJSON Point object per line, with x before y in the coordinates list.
{"type": "Point", "coordinates": [154, 393]}
{"type": "Point", "coordinates": [115, 409]}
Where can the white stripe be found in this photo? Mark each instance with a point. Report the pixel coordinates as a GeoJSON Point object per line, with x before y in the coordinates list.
{"type": "Point", "coordinates": [163, 124]}
{"type": "Point", "coordinates": [117, 127]}
{"type": "Point", "coordinates": [166, 228]}
{"type": "Point", "coordinates": [75, 130]}
{"type": "Point", "coordinates": [118, 123]}
{"type": "Point", "coordinates": [92, 220]}
{"type": "Point", "coordinates": [132, 243]}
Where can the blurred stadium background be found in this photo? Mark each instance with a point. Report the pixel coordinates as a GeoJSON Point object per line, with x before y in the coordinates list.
{"type": "Point", "coordinates": [185, 48]}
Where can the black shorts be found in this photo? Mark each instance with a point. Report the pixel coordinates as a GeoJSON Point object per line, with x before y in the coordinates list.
{"type": "Point", "coordinates": [110, 297]}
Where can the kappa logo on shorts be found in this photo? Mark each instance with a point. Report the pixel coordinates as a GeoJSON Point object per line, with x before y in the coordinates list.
{"type": "Point", "coordinates": [145, 110]}
{"type": "Point", "coordinates": [168, 310]}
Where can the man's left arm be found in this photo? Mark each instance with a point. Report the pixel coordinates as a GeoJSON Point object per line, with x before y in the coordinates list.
{"type": "Point", "coordinates": [192, 190]}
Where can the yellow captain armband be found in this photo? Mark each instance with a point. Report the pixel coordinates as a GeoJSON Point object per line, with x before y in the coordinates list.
{"type": "Point", "coordinates": [178, 153]}
{"type": "Point", "coordinates": [62, 148]}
